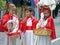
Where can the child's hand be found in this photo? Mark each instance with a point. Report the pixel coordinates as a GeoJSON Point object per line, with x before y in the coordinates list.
{"type": "Point", "coordinates": [37, 26]}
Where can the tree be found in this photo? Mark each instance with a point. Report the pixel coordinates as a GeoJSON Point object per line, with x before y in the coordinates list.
{"type": "Point", "coordinates": [3, 4]}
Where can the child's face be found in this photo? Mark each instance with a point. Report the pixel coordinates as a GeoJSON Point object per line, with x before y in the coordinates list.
{"type": "Point", "coordinates": [13, 10]}
{"type": "Point", "coordinates": [46, 13]}
{"type": "Point", "coordinates": [28, 13]}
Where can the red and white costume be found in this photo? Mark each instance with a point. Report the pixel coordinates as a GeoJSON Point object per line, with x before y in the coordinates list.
{"type": "Point", "coordinates": [28, 24]}
{"type": "Point", "coordinates": [46, 23]}
{"type": "Point", "coordinates": [16, 25]}
{"type": "Point", "coordinates": [49, 23]}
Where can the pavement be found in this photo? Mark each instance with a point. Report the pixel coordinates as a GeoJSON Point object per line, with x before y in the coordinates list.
{"type": "Point", "coordinates": [57, 28]}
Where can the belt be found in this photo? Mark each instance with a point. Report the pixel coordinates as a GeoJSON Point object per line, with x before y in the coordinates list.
{"type": "Point", "coordinates": [29, 28]}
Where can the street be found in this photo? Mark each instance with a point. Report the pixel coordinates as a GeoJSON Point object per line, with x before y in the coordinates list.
{"type": "Point", "coordinates": [57, 27]}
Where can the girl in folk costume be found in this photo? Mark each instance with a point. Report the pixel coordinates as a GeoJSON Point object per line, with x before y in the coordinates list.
{"type": "Point", "coordinates": [28, 24]}
{"type": "Point", "coordinates": [46, 22]}
{"type": "Point", "coordinates": [11, 24]}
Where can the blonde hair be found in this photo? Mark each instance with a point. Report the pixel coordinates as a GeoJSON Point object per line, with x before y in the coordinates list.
{"type": "Point", "coordinates": [9, 7]}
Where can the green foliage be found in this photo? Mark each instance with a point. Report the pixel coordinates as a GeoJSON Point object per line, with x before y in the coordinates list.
{"type": "Point", "coordinates": [3, 4]}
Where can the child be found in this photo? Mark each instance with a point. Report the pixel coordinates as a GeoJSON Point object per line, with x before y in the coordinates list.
{"type": "Point", "coordinates": [28, 24]}
{"type": "Point", "coordinates": [11, 24]}
{"type": "Point", "coordinates": [46, 22]}
{"type": "Point", "coordinates": [50, 23]}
